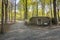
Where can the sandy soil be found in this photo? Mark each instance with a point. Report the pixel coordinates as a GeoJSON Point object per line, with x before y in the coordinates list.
{"type": "Point", "coordinates": [19, 31]}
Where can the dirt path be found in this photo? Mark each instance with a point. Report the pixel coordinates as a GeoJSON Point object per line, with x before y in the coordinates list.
{"type": "Point", "coordinates": [21, 32]}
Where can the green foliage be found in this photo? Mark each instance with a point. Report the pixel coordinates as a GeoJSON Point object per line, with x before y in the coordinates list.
{"type": "Point", "coordinates": [32, 13]}
{"type": "Point", "coordinates": [22, 4]}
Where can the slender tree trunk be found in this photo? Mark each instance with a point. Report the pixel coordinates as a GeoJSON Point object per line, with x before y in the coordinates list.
{"type": "Point", "coordinates": [43, 6]}
{"type": "Point", "coordinates": [15, 12]}
{"type": "Point", "coordinates": [26, 10]}
{"type": "Point", "coordinates": [9, 12]}
{"type": "Point", "coordinates": [2, 18]}
{"type": "Point", "coordinates": [55, 16]}
{"type": "Point", "coordinates": [51, 13]}
{"type": "Point", "coordinates": [51, 8]}
{"type": "Point", "coordinates": [58, 15]}
{"type": "Point", "coordinates": [37, 9]}
{"type": "Point", "coordinates": [20, 13]}
{"type": "Point", "coordinates": [33, 11]}
{"type": "Point", "coordinates": [6, 7]}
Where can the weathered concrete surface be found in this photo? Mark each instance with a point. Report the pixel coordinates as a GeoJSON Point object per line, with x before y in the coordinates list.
{"type": "Point", "coordinates": [19, 31]}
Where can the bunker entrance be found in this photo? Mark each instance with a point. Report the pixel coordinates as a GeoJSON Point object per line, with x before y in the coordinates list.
{"type": "Point", "coordinates": [42, 12]}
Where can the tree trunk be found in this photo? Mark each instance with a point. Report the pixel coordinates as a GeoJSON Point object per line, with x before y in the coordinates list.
{"type": "Point", "coordinates": [33, 11]}
{"type": "Point", "coordinates": [15, 12]}
{"type": "Point", "coordinates": [51, 13]}
{"type": "Point", "coordinates": [37, 9]}
{"type": "Point", "coordinates": [2, 18]}
{"type": "Point", "coordinates": [58, 15]}
{"type": "Point", "coordinates": [6, 11]}
{"type": "Point", "coordinates": [43, 6]}
{"type": "Point", "coordinates": [26, 10]}
{"type": "Point", "coordinates": [55, 16]}
{"type": "Point", "coordinates": [9, 12]}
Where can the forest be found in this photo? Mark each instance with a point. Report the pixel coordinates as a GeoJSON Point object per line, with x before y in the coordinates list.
{"type": "Point", "coordinates": [31, 8]}
{"type": "Point", "coordinates": [12, 11]}
{"type": "Point", "coordinates": [29, 19]}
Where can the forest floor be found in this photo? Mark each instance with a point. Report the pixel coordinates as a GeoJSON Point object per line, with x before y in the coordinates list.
{"type": "Point", "coordinates": [19, 31]}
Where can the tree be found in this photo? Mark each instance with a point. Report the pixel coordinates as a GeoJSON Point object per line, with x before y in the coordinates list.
{"type": "Point", "coordinates": [6, 7]}
{"type": "Point", "coordinates": [2, 18]}
{"type": "Point", "coordinates": [15, 12]}
{"type": "Point", "coordinates": [54, 7]}
{"type": "Point", "coordinates": [26, 10]}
